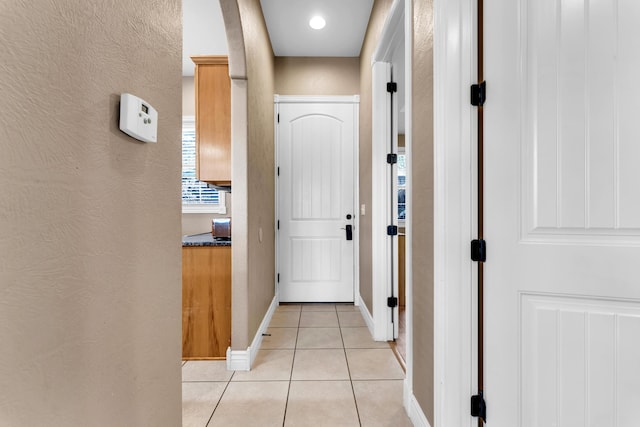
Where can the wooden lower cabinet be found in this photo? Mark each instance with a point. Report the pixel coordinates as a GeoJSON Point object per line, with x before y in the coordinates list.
{"type": "Point", "coordinates": [206, 301]}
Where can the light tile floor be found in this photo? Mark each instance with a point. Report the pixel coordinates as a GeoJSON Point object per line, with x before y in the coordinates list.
{"type": "Point", "coordinates": [318, 367]}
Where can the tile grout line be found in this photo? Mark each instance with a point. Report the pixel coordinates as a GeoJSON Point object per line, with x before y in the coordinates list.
{"type": "Point", "coordinates": [334, 347]}
{"type": "Point", "coordinates": [293, 361]}
{"type": "Point", "coordinates": [220, 399]}
{"type": "Point", "coordinates": [344, 349]}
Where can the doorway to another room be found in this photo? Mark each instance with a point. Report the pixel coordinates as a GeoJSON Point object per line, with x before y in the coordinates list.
{"type": "Point", "coordinates": [391, 155]}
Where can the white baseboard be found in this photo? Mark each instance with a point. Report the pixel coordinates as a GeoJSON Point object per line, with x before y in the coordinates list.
{"type": "Point", "coordinates": [242, 360]}
{"type": "Point", "coordinates": [238, 360]}
{"type": "Point", "coordinates": [416, 415]}
{"type": "Point", "coordinates": [257, 340]}
{"type": "Point", "coordinates": [365, 314]}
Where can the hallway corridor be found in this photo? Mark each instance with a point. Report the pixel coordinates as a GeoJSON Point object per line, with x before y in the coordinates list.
{"type": "Point", "coordinates": [317, 366]}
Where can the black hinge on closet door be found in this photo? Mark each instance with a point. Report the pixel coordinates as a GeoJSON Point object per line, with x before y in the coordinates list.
{"type": "Point", "coordinates": [478, 250]}
{"type": "Point", "coordinates": [478, 406]}
{"type": "Point", "coordinates": [479, 94]}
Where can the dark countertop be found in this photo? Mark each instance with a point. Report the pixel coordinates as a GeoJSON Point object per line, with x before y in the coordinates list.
{"type": "Point", "coordinates": [203, 239]}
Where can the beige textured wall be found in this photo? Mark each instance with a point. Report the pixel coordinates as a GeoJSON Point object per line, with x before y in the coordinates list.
{"type": "Point", "coordinates": [239, 130]}
{"type": "Point", "coordinates": [188, 96]}
{"type": "Point", "coordinates": [90, 276]}
{"type": "Point", "coordinates": [317, 76]}
{"type": "Point", "coordinates": [378, 15]}
{"type": "Point", "coordinates": [260, 167]}
{"type": "Point", "coordinates": [422, 200]}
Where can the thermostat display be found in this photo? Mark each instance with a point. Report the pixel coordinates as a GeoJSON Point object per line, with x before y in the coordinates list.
{"type": "Point", "coordinates": [138, 119]}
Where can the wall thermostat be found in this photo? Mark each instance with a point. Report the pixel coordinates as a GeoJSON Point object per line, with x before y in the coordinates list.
{"type": "Point", "coordinates": [138, 118]}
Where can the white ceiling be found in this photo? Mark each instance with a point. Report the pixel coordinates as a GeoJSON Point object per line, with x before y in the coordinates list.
{"type": "Point", "coordinates": [288, 25]}
{"type": "Point", "coordinates": [203, 31]}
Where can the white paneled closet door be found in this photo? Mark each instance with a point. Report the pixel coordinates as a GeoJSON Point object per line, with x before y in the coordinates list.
{"type": "Point", "coordinates": [562, 212]}
{"type": "Point", "coordinates": [316, 205]}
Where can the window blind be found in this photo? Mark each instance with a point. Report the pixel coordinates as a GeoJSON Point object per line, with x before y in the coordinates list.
{"type": "Point", "coordinates": [194, 192]}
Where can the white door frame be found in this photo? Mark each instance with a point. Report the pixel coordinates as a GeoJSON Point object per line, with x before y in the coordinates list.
{"type": "Point", "coordinates": [454, 200]}
{"type": "Point", "coordinates": [296, 99]}
{"type": "Point", "coordinates": [383, 265]}
{"type": "Point", "coordinates": [398, 26]}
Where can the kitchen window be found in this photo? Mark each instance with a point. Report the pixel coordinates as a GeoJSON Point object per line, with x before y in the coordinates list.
{"type": "Point", "coordinates": [402, 182]}
{"type": "Point", "coordinates": [197, 197]}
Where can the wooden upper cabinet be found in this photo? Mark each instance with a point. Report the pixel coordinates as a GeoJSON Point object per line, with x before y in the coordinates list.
{"type": "Point", "coordinates": [213, 119]}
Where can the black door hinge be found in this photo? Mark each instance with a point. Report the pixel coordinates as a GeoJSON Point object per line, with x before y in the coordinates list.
{"type": "Point", "coordinates": [278, 170]}
{"type": "Point", "coordinates": [478, 250]}
{"type": "Point", "coordinates": [392, 230]}
{"type": "Point", "coordinates": [479, 94]}
{"type": "Point", "coordinates": [392, 87]}
{"type": "Point", "coordinates": [278, 117]}
{"type": "Point", "coordinates": [278, 277]}
{"type": "Point", "coordinates": [479, 406]}
{"type": "Point", "coordinates": [392, 302]}
{"type": "Point", "coordinates": [392, 158]}
{"type": "Point", "coordinates": [278, 224]}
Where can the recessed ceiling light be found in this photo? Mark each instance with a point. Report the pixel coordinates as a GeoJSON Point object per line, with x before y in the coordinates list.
{"type": "Point", "coordinates": [317, 23]}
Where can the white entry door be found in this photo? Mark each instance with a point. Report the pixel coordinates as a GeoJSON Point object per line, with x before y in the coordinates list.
{"type": "Point", "coordinates": [562, 213]}
{"type": "Point", "coordinates": [316, 206]}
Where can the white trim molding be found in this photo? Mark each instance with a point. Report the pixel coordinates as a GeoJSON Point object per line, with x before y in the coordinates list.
{"type": "Point", "coordinates": [303, 99]}
{"type": "Point", "coordinates": [390, 32]}
{"type": "Point", "coordinates": [454, 65]}
{"type": "Point", "coordinates": [238, 360]}
{"type": "Point", "coordinates": [380, 253]}
{"type": "Point", "coordinates": [356, 204]}
{"type": "Point", "coordinates": [414, 410]}
{"type": "Point", "coordinates": [242, 360]}
{"type": "Point", "coordinates": [365, 314]}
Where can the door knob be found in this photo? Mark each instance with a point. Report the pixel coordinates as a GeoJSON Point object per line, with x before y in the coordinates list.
{"type": "Point", "coordinates": [349, 231]}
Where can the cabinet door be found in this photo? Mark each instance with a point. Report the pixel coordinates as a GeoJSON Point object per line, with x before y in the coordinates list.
{"type": "Point", "coordinates": [206, 302]}
{"type": "Point", "coordinates": [213, 120]}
